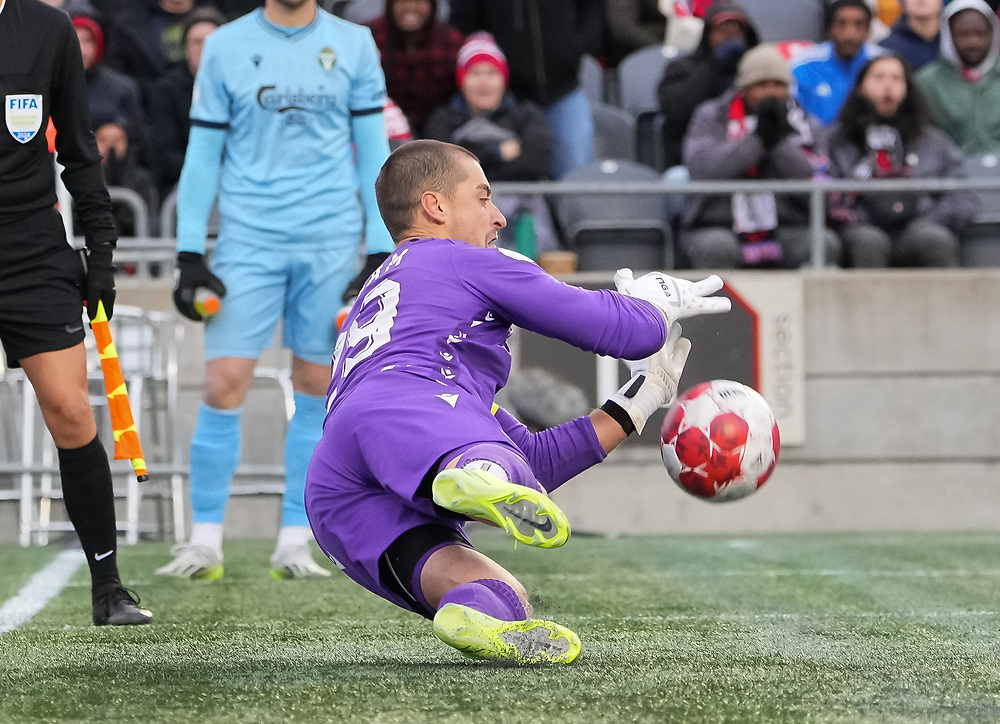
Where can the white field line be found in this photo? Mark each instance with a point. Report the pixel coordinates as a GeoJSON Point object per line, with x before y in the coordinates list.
{"type": "Point", "coordinates": [42, 588]}
{"type": "Point", "coordinates": [814, 616]}
{"type": "Point", "coordinates": [817, 573]}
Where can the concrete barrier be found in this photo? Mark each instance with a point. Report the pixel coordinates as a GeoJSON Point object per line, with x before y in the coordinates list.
{"type": "Point", "coordinates": [902, 432]}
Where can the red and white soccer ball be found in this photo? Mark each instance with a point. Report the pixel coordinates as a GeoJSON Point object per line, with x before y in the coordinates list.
{"type": "Point", "coordinates": [719, 441]}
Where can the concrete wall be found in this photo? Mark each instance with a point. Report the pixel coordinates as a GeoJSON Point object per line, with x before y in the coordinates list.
{"type": "Point", "coordinates": [902, 388]}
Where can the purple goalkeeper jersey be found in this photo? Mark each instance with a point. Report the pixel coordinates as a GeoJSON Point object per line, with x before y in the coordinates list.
{"type": "Point", "coordinates": [443, 309]}
{"type": "Point", "coordinates": [419, 359]}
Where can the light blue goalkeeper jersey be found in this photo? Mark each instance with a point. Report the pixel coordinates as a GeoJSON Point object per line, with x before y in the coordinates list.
{"type": "Point", "coordinates": [286, 98]}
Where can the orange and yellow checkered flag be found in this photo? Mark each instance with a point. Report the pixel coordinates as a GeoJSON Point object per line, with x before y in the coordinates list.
{"type": "Point", "coordinates": [127, 445]}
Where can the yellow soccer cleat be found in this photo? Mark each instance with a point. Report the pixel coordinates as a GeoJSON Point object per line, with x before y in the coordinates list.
{"type": "Point", "coordinates": [528, 516]}
{"type": "Point", "coordinates": [531, 641]}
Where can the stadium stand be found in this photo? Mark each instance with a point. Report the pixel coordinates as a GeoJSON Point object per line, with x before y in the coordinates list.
{"type": "Point", "coordinates": [614, 132]}
{"type": "Point", "coordinates": [639, 74]}
{"type": "Point", "coordinates": [592, 79]}
{"type": "Point", "coordinates": [787, 20]}
{"type": "Point", "coordinates": [980, 241]}
{"type": "Point", "coordinates": [604, 229]}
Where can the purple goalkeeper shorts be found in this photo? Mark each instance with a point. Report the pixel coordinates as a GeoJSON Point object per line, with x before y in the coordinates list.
{"type": "Point", "coordinates": [378, 445]}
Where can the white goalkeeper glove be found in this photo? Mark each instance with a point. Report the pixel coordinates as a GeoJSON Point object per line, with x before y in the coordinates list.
{"type": "Point", "coordinates": [675, 298]}
{"type": "Point", "coordinates": [653, 384]}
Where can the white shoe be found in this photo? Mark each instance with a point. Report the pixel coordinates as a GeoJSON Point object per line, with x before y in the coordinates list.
{"type": "Point", "coordinates": [195, 562]}
{"type": "Point", "coordinates": [295, 561]}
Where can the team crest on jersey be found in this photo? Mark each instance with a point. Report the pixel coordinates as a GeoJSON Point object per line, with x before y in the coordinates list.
{"type": "Point", "coordinates": [327, 59]}
{"type": "Point", "coordinates": [23, 114]}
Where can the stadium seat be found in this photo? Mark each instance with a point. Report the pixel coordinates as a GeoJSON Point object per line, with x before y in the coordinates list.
{"type": "Point", "coordinates": [787, 20]}
{"type": "Point", "coordinates": [614, 132]}
{"type": "Point", "coordinates": [592, 78]}
{"type": "Point", "coordinates": [608, 231]}
{"type": "Point", "coordinates": [980, 242]}
{"type": "Point", "coordinates": [639, 75]}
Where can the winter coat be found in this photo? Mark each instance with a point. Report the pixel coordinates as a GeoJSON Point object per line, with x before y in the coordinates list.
{"type": "Point", "coordinates": [170, 125]}
{"type": "Point", "coordinates": [542, 39]}
{"type": "Point", "coordinates": [525, 122]}
{"type": "Point", "coordinates": [931, 155]}
{"type": "Point", "coordinates": [419, 67]}
{"type": "Point", "coordinates": [691, 80]}
{"type": "Point", "coordinates": [710, 156]}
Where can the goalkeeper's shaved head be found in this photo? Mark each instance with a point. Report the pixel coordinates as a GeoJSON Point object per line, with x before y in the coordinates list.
{"type": "Point", "coordinates": [411, 170]}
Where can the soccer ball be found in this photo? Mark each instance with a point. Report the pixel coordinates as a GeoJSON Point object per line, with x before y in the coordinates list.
{"type": "Point", "coordinates": [719, 441]}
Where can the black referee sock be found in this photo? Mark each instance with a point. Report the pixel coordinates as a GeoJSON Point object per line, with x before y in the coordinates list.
{"type": "Point", "coordinates": [90, 504]}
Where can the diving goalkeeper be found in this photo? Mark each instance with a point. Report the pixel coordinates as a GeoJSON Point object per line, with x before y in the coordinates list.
{"type": "Point", "coordinates": [413, 446]}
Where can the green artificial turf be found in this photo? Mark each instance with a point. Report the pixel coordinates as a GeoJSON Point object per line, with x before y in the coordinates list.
{"type": "Point", "coordinates": [795, 628]}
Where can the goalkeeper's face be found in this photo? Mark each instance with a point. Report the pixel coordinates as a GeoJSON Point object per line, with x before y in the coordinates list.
{"type": "Point", "coordinates": [470, 214]}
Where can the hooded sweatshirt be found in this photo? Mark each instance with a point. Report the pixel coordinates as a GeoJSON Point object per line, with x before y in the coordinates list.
{"type": "Point", "coordinates": [690, 81]}
{"type": "Point", "coordinates": [962, 106]}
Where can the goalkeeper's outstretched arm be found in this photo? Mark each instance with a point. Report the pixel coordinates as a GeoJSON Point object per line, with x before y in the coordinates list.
{"type": "Point", "coordinates": [562, 452]}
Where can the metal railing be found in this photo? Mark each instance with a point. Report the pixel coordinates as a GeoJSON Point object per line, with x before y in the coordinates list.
{"type": "Point", "coordinates": [145, 249]}
{"type": "Point", "coordinates": [815, 189]}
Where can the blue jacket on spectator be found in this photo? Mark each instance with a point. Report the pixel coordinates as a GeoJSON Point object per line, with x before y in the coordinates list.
{"type": "Point", "coordinates": [903, 41]}
{"type": "Point", "coordinates": [823, 80]}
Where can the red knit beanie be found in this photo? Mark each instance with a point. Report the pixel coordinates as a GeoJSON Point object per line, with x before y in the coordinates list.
{"type": "Point", "coordinates": [90, 25]}
{"type": "Point", "coordinates": [480, 48]}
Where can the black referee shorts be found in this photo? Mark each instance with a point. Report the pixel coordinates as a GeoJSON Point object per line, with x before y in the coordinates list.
{"type": "Point", "coordinates": [42, 282]}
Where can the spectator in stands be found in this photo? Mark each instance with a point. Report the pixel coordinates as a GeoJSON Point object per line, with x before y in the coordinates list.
{"type": "Point", "coordinates": [110, 94]}
{"type": "Point", "coordinates": [170, 102]}
{"type": "Point", "coordinates": [824, 74]}
{"type": "Point", "coordinates": [631, 25]}
{"type": "Point", "coordinates": [122, 170]}
{"type": "Point", "coordinates": [397, 129]}
{"type": "Point", "coordinates": [144, 39]}
{"type": "Point", "coordinates": [916, 36]}
{"type": "Point", "coordinates": [509, 136]}
{"type": "Point", "coordinates": [883, 132]}
{"type": "Point", "coordinates": [418, 57]}
{"type": "Point", "coordinates": [544, 41]}
{"type": "Point", "coordinates": [704, 74]}
{"type": "Point", "coordinates": [755, 131]}
{"type": "Point", "coordinates": [963, 86]}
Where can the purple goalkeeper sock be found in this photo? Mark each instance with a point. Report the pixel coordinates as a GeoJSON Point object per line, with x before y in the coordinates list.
{"type": "Point", "coordinates": [487, 595]}
{"type": "Point", "coordinates": [500, 461]}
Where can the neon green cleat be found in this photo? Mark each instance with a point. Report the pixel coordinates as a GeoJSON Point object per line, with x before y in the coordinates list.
{"type": "Point", "coordinates": [295, 561]}
{"type": "Point", "coordinates": [528, 516]}
{"type": "Point", "coordinates": [478, 636]}
{"type": "Point", "coordinates": [197, 563]}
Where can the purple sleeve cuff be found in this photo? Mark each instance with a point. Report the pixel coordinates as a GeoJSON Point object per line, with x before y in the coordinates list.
{"type": "Point", "coordinates": [557, 454]}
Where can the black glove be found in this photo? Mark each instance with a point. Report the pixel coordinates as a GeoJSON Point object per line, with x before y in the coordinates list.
{"type": "Point", "coordinates": [373, 262]}
{"type": "Point", "coordinates": [100, 279]}
{"type": "Point", "coordinates": [772, 122]}
{"type": "Point", "coordinates": [191, 273]}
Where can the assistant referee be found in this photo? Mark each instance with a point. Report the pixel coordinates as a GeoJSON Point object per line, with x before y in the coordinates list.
{"type": "Point", "coordinates": [44, 282]}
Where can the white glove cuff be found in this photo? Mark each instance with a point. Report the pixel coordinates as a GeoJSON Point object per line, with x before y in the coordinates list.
{"type": "Point", "coordinates": [643, 395]}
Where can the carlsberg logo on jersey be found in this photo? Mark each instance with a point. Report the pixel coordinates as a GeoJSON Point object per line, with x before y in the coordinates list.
{"type": "Point", "coordinates": [273, 98]}
{"type": "Point", "coordinates": [23, 114]}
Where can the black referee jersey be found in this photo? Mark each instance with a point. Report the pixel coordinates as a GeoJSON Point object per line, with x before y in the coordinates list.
{"type": "Point", "coordinates": [41, 75]}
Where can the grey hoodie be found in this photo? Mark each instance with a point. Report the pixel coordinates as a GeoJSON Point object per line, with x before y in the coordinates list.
{"type": "Point", "coordinates": [948, 51]}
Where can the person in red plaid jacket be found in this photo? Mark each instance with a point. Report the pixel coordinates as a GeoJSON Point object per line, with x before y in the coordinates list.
{"type": "Point", "coordinates": [419, 53]}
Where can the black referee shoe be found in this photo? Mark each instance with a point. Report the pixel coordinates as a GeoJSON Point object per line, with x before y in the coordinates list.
{"type": "Point", "coordinates": [115, 606]}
